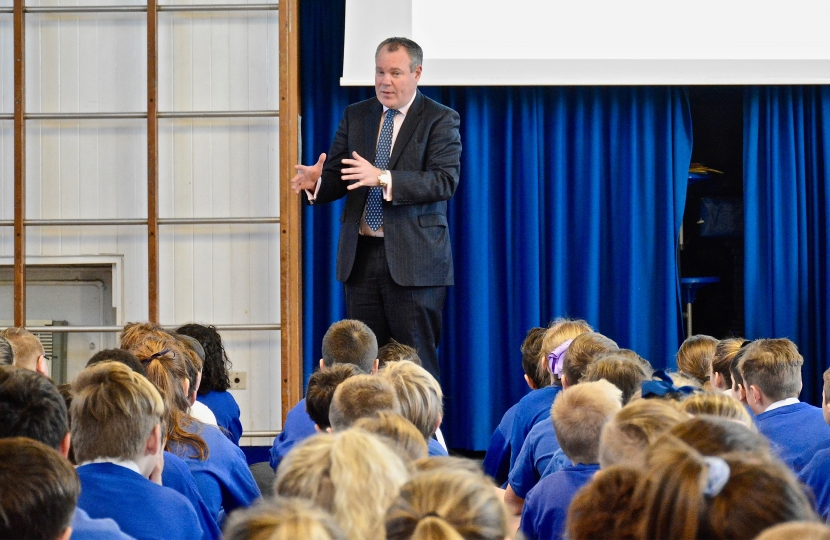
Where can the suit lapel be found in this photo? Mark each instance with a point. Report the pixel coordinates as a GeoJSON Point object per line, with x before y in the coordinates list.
{"type": "Point", "coordinates": [371, 124]}
{"type": "Point", "coordinates": [410, 122]}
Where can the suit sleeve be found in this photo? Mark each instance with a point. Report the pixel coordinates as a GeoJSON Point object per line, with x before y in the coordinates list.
{"type": "Point", "coordinates": [331, 186]}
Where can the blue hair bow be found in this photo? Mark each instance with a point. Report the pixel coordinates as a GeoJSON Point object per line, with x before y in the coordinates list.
{"type": "Point", "coordinates": [663, 385]}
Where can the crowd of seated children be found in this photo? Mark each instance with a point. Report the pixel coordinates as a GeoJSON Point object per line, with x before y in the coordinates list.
{"type": "Point", "coordinates": [361, 396]}
{"type": "Point", "coordinates": [579, 414]}
{"type": "Point", "coordinates": [721, 376]}
{"type": "Point", "coordinates": [694, 358]}
{"type": "Point", "coordinates": [345, 342]}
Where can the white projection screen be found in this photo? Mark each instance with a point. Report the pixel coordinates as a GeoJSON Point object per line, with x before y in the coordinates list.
{"type": "Point", "coordinates": [597, 42]}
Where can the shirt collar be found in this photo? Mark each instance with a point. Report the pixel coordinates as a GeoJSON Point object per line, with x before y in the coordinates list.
{"type": "Point", "coordinates": [403, 110]}
{"type": "Point", "coordinates": [782, 403]}
{"type": "Point", "coordinates": [126, 463]}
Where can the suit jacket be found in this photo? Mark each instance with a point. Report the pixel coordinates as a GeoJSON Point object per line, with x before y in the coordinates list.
{"type": "Point", "coordinates": [425, 165]}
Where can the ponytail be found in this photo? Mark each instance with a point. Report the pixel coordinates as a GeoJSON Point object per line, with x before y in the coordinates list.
{"type": "Point", "coordinates": [433, 527]}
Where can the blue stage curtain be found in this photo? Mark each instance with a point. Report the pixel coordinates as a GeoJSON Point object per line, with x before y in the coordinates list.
{"type": "Point", "coordinates": [570, 203]}
{"type": "Point", "coordinates": [786, 204]}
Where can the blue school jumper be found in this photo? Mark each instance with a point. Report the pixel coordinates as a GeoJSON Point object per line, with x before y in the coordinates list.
{"type": "Point", "coordinates": [794, 431]}
{"type": "Point", "coordinates": [86, 528]}
{"type": "Point", "coordinates": [435, 448]}
{"type": "Point", "coordinates": [226, 410]}
{"type": "Point", "coordinates": [224, 479]}
{"type": "Point", "coordinates": [816, 476]}
{"type": "Point", "coordinates": [531, 409]}
{"type": "Point", "coordinates": [298, 426]}
{"type": "Point", "coordinates": [141, 508]}
{"type": "Point", "coordinates": [497, 459]}
{"type": "Point", "coordinates": [558, 462]}
{"type": "Point", "coordinates": [177, 477]}
{"type": "Point", "coordinates": [537, 451]}
{"type": "Point", "coordinates": [546, 506]}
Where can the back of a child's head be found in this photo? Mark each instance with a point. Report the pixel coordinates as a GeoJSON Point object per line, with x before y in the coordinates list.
{"type": "Point", "coordinates": [579, 414]}
{"type": "Point", "coordinates": [452, 463]}
{"type": "Point", "coordinates": [718, 404]}
{"type": "Point", "coordinates": [626, 437]}
{"type": "Point", "coordinates": [320, 391]}
{"type": "Point", "coordinates": [620, 369]}
{"type": "Point", "coordinates": [419, 395]}
{"type": "Point", "coordinates": [114, 410]}
{"type": "Point", "coordinates": [31, 406]}
{"type": "Point", "coordinates": [802, 530]}
{"type": "Point", "coordinates": [118, 355]}
{"type": "Point", "coordinates": [773, 366]}
{"type": "Point", "coordinates": [351, 474]}
{"type": "Point", "coordinates": [581, 352]}
{"type": "Point", "coordinates": [536, 370]}
{"type": "Point", "coordinates": [724, 353]}
{"type": "Point", "coordinates": [396, 352]}
{"type": "Point", "coordinates": [6, 352]}
{"type": "Point", "coordinates": [26, 347]}
{"type": "Point", "coordinates": [399, 433]}
{"type": "Point", "coordinates": [216, 366]}
{"type": "Point", "coordinates": [40, 490]}
{"type": "Point", "coordinates": [282, 518]}
{"type": "Point", "coordinates": [688, 495]}
{"type": "Point", "coordinates": [714, 436]}
{"type": "Point", "coordinates": [360, 396]}
{"type": "Point", "coordinates": [447, 505]}
{"type": "Point", "coordinates": [605, 507]}
{"type": "Point", "coordinates": [350, 342]}
{"type": "Point", "coordinates": [558, 332]}
{"type": "Point", "coordinates": [694, 358]}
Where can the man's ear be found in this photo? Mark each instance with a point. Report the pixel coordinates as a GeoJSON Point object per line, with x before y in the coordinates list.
{"type": "Point", "coordinates": [63, 448]}
{"type": "Point", "coordinates": [530, 382]}
{"type": "Point", "coordinates": [375, 366]}
{"type": "Point", "coordinates": [42, 366]}
{"type": "Point", "coordinates": [322, 365]}
{"type": "Point", "coordinates": [153, 445]}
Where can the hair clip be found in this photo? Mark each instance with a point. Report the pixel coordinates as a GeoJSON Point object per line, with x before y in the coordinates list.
{"type": "Point", "coordinates": [717, 475]}
{"type": "Point", "coordinates": [557, 357]}
{"type": "Point", "coordinates": [154, 356]}
{"type": "Point", "coordinates": [663, 385]}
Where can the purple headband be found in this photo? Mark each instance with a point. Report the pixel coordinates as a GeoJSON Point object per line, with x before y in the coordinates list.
{"type": "Point", "coordinates": [556, 358]}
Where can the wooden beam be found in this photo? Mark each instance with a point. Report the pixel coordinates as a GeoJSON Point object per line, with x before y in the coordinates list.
{"type": "Point", "coordinates": [152, 162]}
{"type": "Point", "coordinates": [19, 163]}
{"type": "Point", "coordinates": [291, 282]}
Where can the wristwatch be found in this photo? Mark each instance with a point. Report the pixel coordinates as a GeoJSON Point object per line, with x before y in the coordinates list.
{"type": "Point", "coordinates": [384, 178]}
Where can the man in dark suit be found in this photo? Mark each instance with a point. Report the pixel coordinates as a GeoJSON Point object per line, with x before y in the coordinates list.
{"type": "Point", "coordinates": [396, 157]}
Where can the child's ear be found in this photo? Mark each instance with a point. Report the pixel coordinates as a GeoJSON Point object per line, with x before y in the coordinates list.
{"type": "Point", "coordinates": [530, 382]}
{"type": "Point", "coordinates": [65, 535]}
{"type": "Point", "coordinates": [375, 366]}
{"type": "Point", "coordinates": [322, 365]}
{"type": "Point", "coordinates": [154, 442]}
{"type": "Point", "coordinates": [317, 429]}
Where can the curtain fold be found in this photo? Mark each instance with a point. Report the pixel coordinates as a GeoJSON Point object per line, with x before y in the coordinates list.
{"type": "Point", "coordinates": [786, 203]}
{"type": "Point", "coordinates": [570, 203]}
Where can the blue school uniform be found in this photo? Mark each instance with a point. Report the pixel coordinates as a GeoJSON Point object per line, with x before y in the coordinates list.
{"type": "Point", "coordinates": [558, 462]}
{"type": "Point", "coordinates": [177, 477]}
{"type": "Point", "coordinates": [298, 426]}
{"type": "Point", "coordinates": [546, 506]}
{"type": "Point", "coordinates": [224, 480]}
{"type": "Point", "coordinates": [141, 508]}
{"type": "Point", "coordinates": [497, 459]}
{"type": "Point", "coordinates": [435, 448]}
{"type": "Point", "coordinates": [816, 476]}
{"type": "Point", "coordinates": [537, 451]}
{"type": "Point", "coordinates": [795, 432]}
{"type": "Point", "coordinates": [86, 528]}
{"type": "Point", "coordinates": [224, 407]}
{"type": "Point", "coordinates": [531, 409]}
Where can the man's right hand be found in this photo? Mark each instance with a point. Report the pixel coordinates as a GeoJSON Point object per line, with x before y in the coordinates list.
{"type": "Point", "coordinates": [307, 176]}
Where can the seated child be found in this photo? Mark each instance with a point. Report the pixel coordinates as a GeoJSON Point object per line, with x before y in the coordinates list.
{"type": "Point", "coordinates": [816, 474]}
{"type": "Point", "coordinates": [738, 388]}
{"type": "Point", "coordinates": [447, 504]}
{"type": "Point", "coordinates": [361, 396]}
{"type": "Point", "coordinates": [626, 437]}
{"type": "Point", "coordinates": [579, 414]}
{"type": "Point", "coordinates": [282, 518]}
{"type": "Point", "coordinates": [116, 433]}
{"type": "Point", "coordinates": [497, 458]}
{"type": "Point", "coordinates": [345, 342]}
{"type": "Point", "coordinates": [420, 398]}
{"type": "Point", "coordinates": [351, 474]}
{"type": "Point", "coordinates": [399, 433]}
{"type": "Point", "coordinates": [717, 404]}
{"type": "Point", "coordinates": [320, 391]}
{"type": "Point", "coordinates": [395, 352]}
{"type": "Point", "coordinates": [194, 353]}
{"type": "Point", "coordinates": [720, 376]}
{"type": "Point", "coordinates": [603, 507]}
{"type": "Point", "coordinates": [771, 370]}
{"type": "Point", "coordinates": [40, 491]}
{"type": "Point", "coordinates": [694, 358]}
{"type": "Point", "coordinates": [27, 350]}
{"type": "Point", "coordinates": [716, 436]}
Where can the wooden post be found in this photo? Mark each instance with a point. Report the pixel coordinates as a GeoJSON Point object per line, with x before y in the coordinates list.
{"type": "Point", "coordinates": [152, 161]}
{"type": "Point", "coordinates": [19, 164]}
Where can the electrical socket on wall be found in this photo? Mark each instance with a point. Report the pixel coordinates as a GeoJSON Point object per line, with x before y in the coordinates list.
{"type": "Point", "coordinates": [239, 380]}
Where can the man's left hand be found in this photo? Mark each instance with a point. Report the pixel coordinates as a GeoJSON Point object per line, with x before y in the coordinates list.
{"type": "Point", "coordinates": [360, 170]}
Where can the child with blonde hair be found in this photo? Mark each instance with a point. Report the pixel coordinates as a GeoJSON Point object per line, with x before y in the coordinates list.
{"type": "Point", "coordinates": [579, 414]}
{"type": "Point", "coordinates": [717, 404]}
{"type": "Point", "coordinates": [399, 433]}
{"type": "Point", "coordinates": [283, 518]}
{"type": "Point", "coordinates": [361, 396]}
{"type": "Point", "coordinates": [420, 397]}
{"type": "Point", "coordinates": [626, 437]}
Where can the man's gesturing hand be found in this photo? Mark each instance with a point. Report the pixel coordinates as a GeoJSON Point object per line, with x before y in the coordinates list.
{"type": "Point", "coordinates": [361, 170]}
{"type": "Point", "coordinates": [307, 176]}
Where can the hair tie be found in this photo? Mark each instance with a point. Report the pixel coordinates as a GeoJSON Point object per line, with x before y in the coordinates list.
{"type": "Point", "coordinates": [154, 356]}
{"type": "Point", "coordinates": [663, 385]}
{"type": "Point", "coordinates": [557, 357]}
{"type": "Point", "coordinates": [431, 514]}
{"type": "Point", "coordinates": [717, 475]}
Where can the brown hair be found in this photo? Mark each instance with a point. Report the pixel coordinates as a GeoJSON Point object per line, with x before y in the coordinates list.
{"type": "Point", "coordinates": [826, 387]}
{"type": "Point", "coordinates": [26, 346]}
{"type": "Point", "coordinates": [394, 351]}
{"type": "Point", "coordinates": [31, 406]}
{"type": "Point", "coordinates": [694, 358]}
{"type": "Point", "coordinates": [724, 353]}
{"type": "Point", "coordinates": [6, 352]}
{"type": "Point", "coordinates": [361, 396]}
{"type": "Point", "coordinates": [625, 438]}
{"type": "Point", "coordinates": [579, 414]}
{"type": "Point", "coordinates": [620, 370]}
{"type": "Point", "coordinates": [282, 518]}
{"type": "Point", "coordinates": [536, 370]}
{"type": "Point", "coordinates": [582, 350]}
{"type": "Point", "coordinates": [605, 507]}
{"type": "Point", "coordinates": [774, 366]}
{"type": "Point", "coordinates": [756, 495]}
{"type": "Point", "coordinates": [717, 405]}
{"type": "Point", "coordinates": [419, 395]}
{"type": "Point", "coordinates": [40, 490]}
{"type": "Point", "coordinates": [714, 436]}
{"type": "Point", "coordinates": [134, 333]}
{"type": "Point", "coordinates": [320, 391]}
{"type": "Point", "coordinates": [350, 342]}
{"type": "Point", "coordinates": [398, 432]}
{"type": "Point", "coordinates": [559, 331]}
{"type": "Point", "coordinates": [114, 410]}
{"type": "Point", "coordinates": [447, 504]}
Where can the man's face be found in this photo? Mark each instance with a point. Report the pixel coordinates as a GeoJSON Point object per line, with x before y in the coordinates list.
{"type": "Point", "coordinates": [395, 83]}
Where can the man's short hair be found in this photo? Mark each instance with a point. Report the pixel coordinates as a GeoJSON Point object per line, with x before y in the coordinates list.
{"type": "Point", "coordinates": [350, 342]}
{"type": "Point", "coordinates": [6, 352]}
{"type": "Point", "coordinates": [114, 410]}
{"type": "Point", "coordinates": [31, 406]}
{"type": "Point", "coordinates": [40, 490]}
{"type": "Point", "coordinates": [26, 346]}
{"type": "Point", "coordinates": [361, 396]}
{"type": "Point", "coordinates": [538, 372]}
{"type": "Point", "coordinates": [418, 393]}
{"type": "Point", "coordinates": [579, 413]}
{"type": "Point", "coordinates": [320, 391]}
{"type": "Point", "coordinates": [118, 355]}
{"type": "Point", "coordinates": [395, 352]}
{"type": "Point", "coordinates": [620, 369]}
{"type": "Point", "coordinates": [416, 54]}
{"type": "Point", "coordinates": [774, 366]}
{"type": "Point", "coordinates": [581, 351]}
